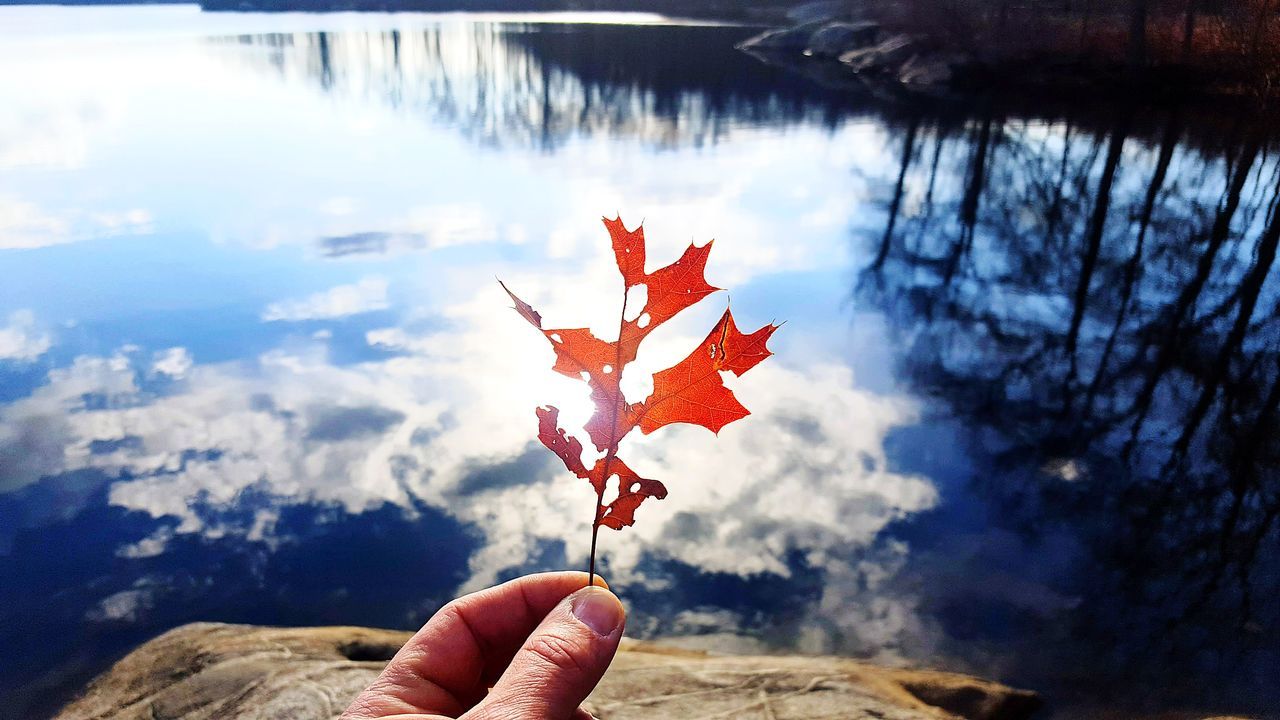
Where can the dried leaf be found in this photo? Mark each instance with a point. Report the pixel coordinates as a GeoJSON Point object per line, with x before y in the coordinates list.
{"type": "Point", "coordinates": [691, 392]}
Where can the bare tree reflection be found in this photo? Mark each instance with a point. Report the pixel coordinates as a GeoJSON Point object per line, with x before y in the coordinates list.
{"type": "Point", "coordinates": [1106, 305]}
{"type": "Point", "coordinates": [539, 85]}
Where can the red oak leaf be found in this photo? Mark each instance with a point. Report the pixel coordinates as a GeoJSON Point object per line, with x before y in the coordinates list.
{"type": "Point", "coordinates": [632, 490]}
{"type": "Point", "coordinates": [691, 392]}
{"type": "Point", "coordinates": [628, 246]}
{"type": "Point", "coordinates": [560, 442]}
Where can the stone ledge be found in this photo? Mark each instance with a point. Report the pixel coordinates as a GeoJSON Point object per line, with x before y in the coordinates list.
{"type": "Point", "coordinates": [241, 672]}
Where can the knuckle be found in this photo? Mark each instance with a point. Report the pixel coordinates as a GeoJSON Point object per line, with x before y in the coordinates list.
{"type": "Point", "coordinates": [559, 653]}
{"type": "Point", "coordinates": [450, 610]}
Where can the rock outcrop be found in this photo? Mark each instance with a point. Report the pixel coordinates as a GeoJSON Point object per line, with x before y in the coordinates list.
{"type": "Point", "coordinates": [862, 49]}
{"type": "Point", "coordinates": [238, 672]}
{"type": "Point", "coordinates": [833, 39]}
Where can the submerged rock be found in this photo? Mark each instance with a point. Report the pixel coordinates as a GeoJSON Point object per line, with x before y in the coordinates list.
{"type": "Point", "coordinates": [929, 70]}
{"type": "Point", "coordinates": [820, 38]}
{"type": "Point", "coordinates": [834, 38]}
{"type": "Point", "coordinates": [241, 672]}
{"type": "Point", "coordinates": [788, 39]}
{"type": "Point", "coordinates": [860, 50]}
{"type": "Point", "coordinates": [888, 54]}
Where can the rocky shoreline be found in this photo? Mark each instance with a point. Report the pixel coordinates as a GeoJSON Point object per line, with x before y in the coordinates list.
{"type": "Point", "coordinates": [844, 44]}
{"type": "Point", "coordinates": [242, 672]}
{"type": "Point", "coordinates": [861, 50]}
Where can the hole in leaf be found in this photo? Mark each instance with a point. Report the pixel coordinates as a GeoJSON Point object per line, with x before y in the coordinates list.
{"type": "Point", "coordinates": [608, 369]}
{"type": "Point", "coordinates": [637, 385]}
{"type": "Point", "coordinates": [643, 322]}
{"type": "Point", "coordinates": [555, 337]}
{"type": "Point", "coordinates": [637, 298]}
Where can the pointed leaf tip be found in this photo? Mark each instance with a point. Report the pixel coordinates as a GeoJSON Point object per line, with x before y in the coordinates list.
{"type": "Point", "coordinates": [692, 391]}
{"type": "Point", "coordinates": [628, 249]}
{"type": "Point", "coordinates": [525, 309]}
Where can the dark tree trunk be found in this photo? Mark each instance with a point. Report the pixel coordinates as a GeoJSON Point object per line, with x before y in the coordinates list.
{"type": "Point", "coordinates": [1251, 291]}
{"type": "Point", "coordinates": [1093, 245]}
{"type": "Point", "coordinates": [1265, 10]}
{"type": "Point", "coordinates": [1132, 268]}
{"type": "Point", "coordinates": [1189, 31]}
{"type": "Point", "coordinates": [1086, 16]}
{"type": "Point", "coordinates": [1137, 34]}
{"type": "Point", "coordinates": [972, 196]}
{"type": "Point", "coordinates": [927, 205]}
{"type": "Point", "coordinates": [908, 150]}
{"type": "Point", "coordinates": [1054, 214]}
{"type": "Point", "coordinates": [977, 178]}
{"type": "Point", "coordinates": [1189, 295]}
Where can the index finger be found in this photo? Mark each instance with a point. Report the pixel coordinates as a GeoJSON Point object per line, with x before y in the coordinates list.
{"type": "Point", "coordinates": [448, 665]}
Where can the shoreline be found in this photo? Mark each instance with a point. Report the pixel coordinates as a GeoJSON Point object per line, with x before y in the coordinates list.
{"type": "Point", "coordinates": [252, 672]}
{"type": "Point", "coordinates": [858, 50]}
{"type": "Point", "coordinates": [247, 672]}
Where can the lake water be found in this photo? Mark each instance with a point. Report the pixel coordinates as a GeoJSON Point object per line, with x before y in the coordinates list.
{"type": "Point", "coordinates": [254, 365]}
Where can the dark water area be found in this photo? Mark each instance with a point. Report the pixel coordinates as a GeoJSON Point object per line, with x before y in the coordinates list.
{"type": "Point", "coordinates": [1022, 421]}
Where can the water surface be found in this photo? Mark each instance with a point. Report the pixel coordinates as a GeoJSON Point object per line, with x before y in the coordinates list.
{"type": "Point", "coordinates": [254, 366]}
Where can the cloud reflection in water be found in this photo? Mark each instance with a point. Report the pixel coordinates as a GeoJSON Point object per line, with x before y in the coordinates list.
{"type": "Point", "coordinates": [289, 391]}
{"type": "Point", "coordinates": [449, 422]}
{"type": "Point", "coordinates": [280, 384]}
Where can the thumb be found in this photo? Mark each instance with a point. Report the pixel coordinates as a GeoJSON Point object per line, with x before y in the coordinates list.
{"type": "Point", "coordinates": [561, 662]}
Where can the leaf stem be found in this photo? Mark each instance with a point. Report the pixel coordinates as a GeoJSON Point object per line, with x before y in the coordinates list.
{"type": "Point", "coordinates": [595, 531]}
{"type": "Point", "coordinates": [613, 435]}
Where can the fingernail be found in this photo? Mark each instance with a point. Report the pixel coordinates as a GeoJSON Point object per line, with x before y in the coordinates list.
{"type": "Point", "coordinates": [598, 609]}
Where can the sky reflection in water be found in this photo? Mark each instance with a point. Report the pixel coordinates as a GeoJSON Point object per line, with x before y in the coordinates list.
{"type": "Point", "coordinates": [255, 366]}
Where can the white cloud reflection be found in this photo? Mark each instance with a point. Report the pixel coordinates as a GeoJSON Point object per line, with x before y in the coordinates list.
{"type": "Point", "coordinates": [367, 295]}
{"type": "Point", "coordinates": [21, 340]}
{"type": "Point", "coordinates": [448, 417]}
{"type": "Point", "coordinates": [805, 473]}
{"type": "Point", "coordinates": [174, 362]}
{"type": "Point", "coordinates": [26, 226]}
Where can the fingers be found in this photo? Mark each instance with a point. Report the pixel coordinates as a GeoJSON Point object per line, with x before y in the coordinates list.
{"type": "Point", "coordinates": [561, 661]}
{"type": "Point", "coordinates": [448, 665]}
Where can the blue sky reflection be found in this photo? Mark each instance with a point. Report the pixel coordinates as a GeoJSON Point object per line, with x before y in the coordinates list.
{"type": "Point", "coordinates": [254, 364]}
{"type": "Point", "coordinates": [236, 280]}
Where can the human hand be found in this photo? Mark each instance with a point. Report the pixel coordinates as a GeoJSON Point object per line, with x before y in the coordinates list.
{"type": "Point", "coordinates": [541, 642]}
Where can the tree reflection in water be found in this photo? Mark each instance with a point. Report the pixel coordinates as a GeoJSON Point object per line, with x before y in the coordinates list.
{"type": "Point", "coordinates": [540, 85]}
{"type": "Point", "coordinates": [1092, 298]}
{"type": "Point", "coordinates": [1087, 290]}
{"type": "Point", "coordinates": [1100, 307]}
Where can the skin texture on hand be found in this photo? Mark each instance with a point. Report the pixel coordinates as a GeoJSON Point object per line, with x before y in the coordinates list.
{"type": "Point", "coordinates": [529, 649]}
